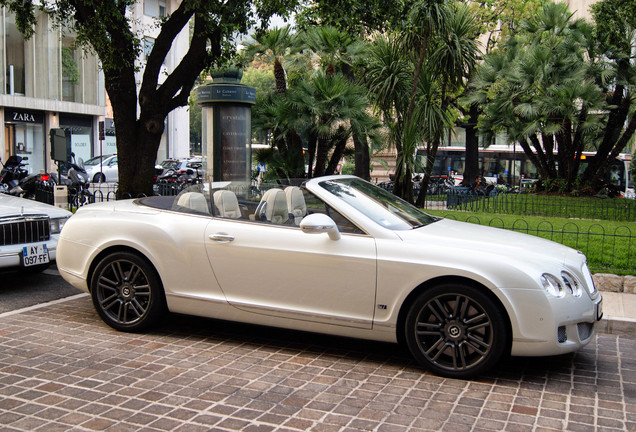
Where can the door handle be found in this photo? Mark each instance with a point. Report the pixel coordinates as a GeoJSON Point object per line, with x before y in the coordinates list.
{"type": "Point", "coordinates": [221, 238]}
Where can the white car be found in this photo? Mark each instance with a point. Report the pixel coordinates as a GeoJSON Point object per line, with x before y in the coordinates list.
{"type": "Point", "coordinates": [29, 231]}
{"type": "Point", "coordinates": [107, 171]}
{"type": "Point", "coordinates": [337, 255]}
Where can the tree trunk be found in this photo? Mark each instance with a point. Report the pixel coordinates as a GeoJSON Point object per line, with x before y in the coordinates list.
{"type": "Point", "coordinates": [295, 155]}
{"type": "Point", "coordinates": [532, 157]}
{"type": "Point", "coordinates": [362, 158]}
{"type": "Point", "coordinates": [279, 76]}
{"type": "Point", "coordinates": [615, 139]}
{"type": "Point", "coordinates": [311, 154]}
{"type": "Point", "coordinates": [403, 183]}
{"type": "Point", "coordinates": [336, 156]}
{"type": "Point", "coordinates": [431, 154]}
{"type": "Point", "coordinates": [136, 156]}
{"type": "Point", "coordinates": [471, 165]}
{"type": "Point", "coordinates": [322, 151]}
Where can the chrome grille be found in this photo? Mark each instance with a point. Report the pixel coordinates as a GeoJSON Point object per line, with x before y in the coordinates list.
{"type": "Point", "coordinates": [28, 229]}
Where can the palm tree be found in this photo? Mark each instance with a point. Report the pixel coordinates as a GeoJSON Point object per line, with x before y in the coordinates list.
{"type": "Point", "coordinates": [540, 89]}
{"type": "Point", "coordinates": [334, 109]}
{"type": "Point", "coordinates": [396, 63]}
{"type": "Point", "coordinates": [413, 78]}
{"type": "Point", "coordinates": [276, 115]}
{"type": "Point", "coordinates": [451, 63]}
{"type": "Point", "coordinates": [388, 76]}
{"type": "Point", "coordinates": [335, 49]}
{"type": "Point", "coordinates": [272, 46]}
{"type": "Point", "coordinates": [426, 18]}
{"type": "Point", "coordinates": [338, 51]}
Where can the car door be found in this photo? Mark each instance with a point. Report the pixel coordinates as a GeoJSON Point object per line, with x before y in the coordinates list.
{"type": "Point", "coordinates": [280, 271]}
{"type": "Point", "coordinates": [111, 170]}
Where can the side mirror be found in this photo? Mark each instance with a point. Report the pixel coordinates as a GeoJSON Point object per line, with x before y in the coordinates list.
{"type": "Point", "coordinates": [318, 223]}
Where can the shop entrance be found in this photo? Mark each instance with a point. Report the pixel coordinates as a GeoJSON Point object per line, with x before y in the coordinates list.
{"type": "Point", "coordinates": [9, 142]}
{"type": "Point", "coordinates": [25, 140]}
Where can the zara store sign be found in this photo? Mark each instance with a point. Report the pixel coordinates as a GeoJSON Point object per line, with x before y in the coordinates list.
{"type": "Point", "coordinates": [23, 116]}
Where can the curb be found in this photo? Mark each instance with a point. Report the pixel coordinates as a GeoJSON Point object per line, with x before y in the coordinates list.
{"type": "Point", "coordinates": [618, 326]}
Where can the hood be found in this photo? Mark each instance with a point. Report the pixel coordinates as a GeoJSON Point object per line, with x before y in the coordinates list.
{"type": "Point", "coordinates": [15, 206]}
{"type": "Point", "coordinates": [479, 240]}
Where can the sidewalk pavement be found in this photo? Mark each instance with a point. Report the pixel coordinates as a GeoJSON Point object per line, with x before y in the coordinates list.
{"type": "Point", "coordinates": [619, 313]}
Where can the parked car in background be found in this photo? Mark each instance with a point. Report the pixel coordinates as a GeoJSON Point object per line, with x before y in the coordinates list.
{"type": "Point", "coordinates": [178, 167]}
{"type": "Point", "coordinates": [29, 232]}
{"type": "Point", "coordinates": [337, 255]}
{"type": "Point", "coordinates": [105, 172]}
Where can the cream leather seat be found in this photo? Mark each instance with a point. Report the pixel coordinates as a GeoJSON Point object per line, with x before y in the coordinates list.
{"type": "Point", "coordinates": [273, 207]}
{"type": "Point", "coordinates": [296, 206]}
{"type": "Point", "coordinates": [226, 203]}
{"type": "Point", "coordinates": [194, 201]}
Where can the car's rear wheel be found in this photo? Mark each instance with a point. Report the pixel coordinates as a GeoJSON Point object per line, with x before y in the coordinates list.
{"type": "Point", "coordinates": [99, 178]}
{"type": "Point", "coordinates": [456, 331]}
{"type": "Point", "coordinates": [127, 292]}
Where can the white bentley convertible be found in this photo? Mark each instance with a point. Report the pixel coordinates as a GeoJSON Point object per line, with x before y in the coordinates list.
{"type": "Point", "coordinates": [337, 255]}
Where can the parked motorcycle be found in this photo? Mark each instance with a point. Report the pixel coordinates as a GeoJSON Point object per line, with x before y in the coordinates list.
{"type": "Point", "coordinates": [78, 182]}
{"type": "Point", "coordinates": [171, 181]}
{"type": "Point", "coordinates": [13, 171]}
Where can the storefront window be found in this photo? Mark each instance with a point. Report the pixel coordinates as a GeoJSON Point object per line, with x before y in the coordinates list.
{"type": "Point", "coordinates": [49, 65]}
{"type": "Point", "coordinates": [70, 71]}
{"type": "Point", "coordinates": [109, 146]}
{"type": "Point", "coordinates": [14, 71]}
{"type": "Point", "coordinates": [24, 136]}
{"type": "Point", "coordinates": [81, 135]}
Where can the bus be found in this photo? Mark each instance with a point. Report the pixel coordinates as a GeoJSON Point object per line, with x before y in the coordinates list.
{"type": "Point", "coordinates": [502, 164]}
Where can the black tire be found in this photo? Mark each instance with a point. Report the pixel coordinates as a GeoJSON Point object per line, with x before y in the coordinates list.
{"type": "Point", "coordinates": [127, 292]}
{"type": "Point", "coordinates": [99, 178]}
{"type": "Point", "coordinates": [456, 331]}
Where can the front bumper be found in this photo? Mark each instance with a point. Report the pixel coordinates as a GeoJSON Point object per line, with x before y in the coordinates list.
{"type": "Point", "coordinates": [10, 255]}
{"type": "Point", "coordinates": [551, 326]}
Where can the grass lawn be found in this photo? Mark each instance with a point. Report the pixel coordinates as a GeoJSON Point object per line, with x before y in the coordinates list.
{"type": "Point", "coordinates": [553, 206]}
{"type": "Point", "coordinates": [610, 246]}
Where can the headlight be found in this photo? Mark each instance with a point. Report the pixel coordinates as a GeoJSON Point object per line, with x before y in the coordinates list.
{"type": "Point", "coordinates": [589, 282]}
{"type": "Point", "coordinates": [552, 285]}
{"type": "Point", "coordinates": [57, 225]}
{"type": "Point", "coordinates": [571, 284]}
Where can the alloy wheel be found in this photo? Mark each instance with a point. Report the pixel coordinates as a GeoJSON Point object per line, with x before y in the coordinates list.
{"type": "Point", "coordinates": [123, 291]}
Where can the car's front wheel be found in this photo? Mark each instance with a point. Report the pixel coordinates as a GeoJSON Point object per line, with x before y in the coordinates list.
{"type": "Point", "coordinates": [456, 331]}
{"type": "Point", "coordinates": [127, 292]}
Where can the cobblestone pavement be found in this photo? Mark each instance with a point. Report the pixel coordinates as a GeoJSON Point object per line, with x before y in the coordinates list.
{"type": "Point", "coordinates": [62, 369]}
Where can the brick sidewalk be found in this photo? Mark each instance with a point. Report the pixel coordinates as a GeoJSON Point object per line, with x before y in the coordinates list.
{"type": "Point", "coordinates": [62, 369]}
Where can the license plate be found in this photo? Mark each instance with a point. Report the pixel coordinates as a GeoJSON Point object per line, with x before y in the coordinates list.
{"type": "Point", "coordinates": [599, 310]}
{"type": "Point", "coordinates": [35, 255]}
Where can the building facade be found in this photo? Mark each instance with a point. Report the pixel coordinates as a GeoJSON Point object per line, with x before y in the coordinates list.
{"type": "Point", "coordinates": [48, 83]}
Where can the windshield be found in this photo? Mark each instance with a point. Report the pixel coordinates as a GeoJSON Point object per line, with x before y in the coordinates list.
{"type": "Point", "coordinates": [377, 204]}
{"type": "Point", "coordinates": [170, 164]}
{"type": "Point", "coordinates": [95, 160]}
